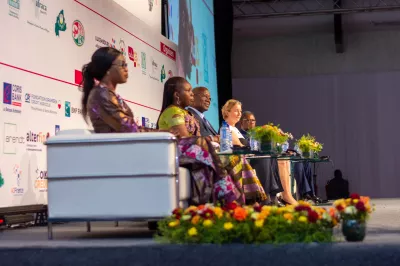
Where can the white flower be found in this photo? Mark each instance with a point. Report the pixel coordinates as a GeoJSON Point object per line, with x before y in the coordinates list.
{"type": "Point", "coordinates": [186, 217]}
{"type": "Point", "coordinates": [254, 215]}
{"type": "Point", "coordinates": [326, 217]}
{"type": "Point", "coordinates": [350, 210]}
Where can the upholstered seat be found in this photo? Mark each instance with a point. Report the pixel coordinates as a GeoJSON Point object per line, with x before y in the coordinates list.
{"type": "Point", "coordinates": [121, 176]}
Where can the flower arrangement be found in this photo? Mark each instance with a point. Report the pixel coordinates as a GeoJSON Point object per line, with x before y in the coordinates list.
{"type": "Point", "coordinates": [307, 143]}
{"type": "Point", "coordinates": [354, 208]}
{"type": "Point", "coordinates": [249, 224]}
{"type": "Point", "coordinates": [270, 132]}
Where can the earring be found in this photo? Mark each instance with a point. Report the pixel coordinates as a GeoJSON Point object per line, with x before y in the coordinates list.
{"type": "Point", "coordinates": [178, 101]}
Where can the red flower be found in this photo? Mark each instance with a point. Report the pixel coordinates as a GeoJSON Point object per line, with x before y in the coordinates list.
{"type": "Point", "coordinates": [230, 206]}
{"type": "Point", "coordinates": [355, 196]}
{"type": "Point", "coordinates": [177, 213]}
{"type": "Point", "coordinates": [300, 208]}
{"type": "Point", "coordinates": [360, 206]}
{"type": "Point", "coordinates": [257, 208]}
{"type": "Point", "coordinates": [312, 216]}
{"type": "Point", "coordinates": [192, 213]}
{"type": "Point", "coordinates": [340, 207]}
{"type": "Point", "coordinates": [207, 214]}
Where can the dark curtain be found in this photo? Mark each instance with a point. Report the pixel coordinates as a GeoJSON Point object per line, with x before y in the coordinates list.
{"type": "Point", "coordinates": [223, 24]}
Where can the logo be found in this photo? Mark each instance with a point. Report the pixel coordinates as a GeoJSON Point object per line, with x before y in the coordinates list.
{"type": "Point", "coordinates": [162, 76]}
{"type": "Point", "coordinates": [122, 47]}
{"type": "Point", "coordinates": [44, 104]}
{"type": "Point", "coordinates": [151, 3]}
{"type": "Point", "coordinates": [41, 180]}
{"type": "Point", "coordinates": [1, 180]}
{"type": "Point", "coordinates": [33, 138]}
{"type": "Point", "coordinates": [17, 190]}
{"type": "Point", "coordinates": [59, 104]}
{"type": "Point", "coordinates": [170, 74]}
{"type": "Point", "coordinates": [133, 56]}
{"type": "Point", "coordinates": [40, 9]}
{"type": "Point", "coordinates": [144, 63]}
{"type": "Point", "coordinates": [57, 129]}
{"type": "Point", "coordinates": [78, 33]}
{"type": "Point", "coordinates": [13, 8]}
{"type": "Point", "coordinates": [154, 73]}
{"type": "Point", "coordinates": [67, 109]}
{"type": "Point", "coordinates": [12, 95]}
{"type": "Point", "coordinates": [168, 51]}
{"type": "Point", "coordinates": [37, 137]}
{"type": "Point", "coordinates": [12, 139]}
{"type": "Point", "coordinates": [60, 25]}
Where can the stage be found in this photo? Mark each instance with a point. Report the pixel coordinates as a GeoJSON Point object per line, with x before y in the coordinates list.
{"type": "Point", "coordinates": [132, 244]}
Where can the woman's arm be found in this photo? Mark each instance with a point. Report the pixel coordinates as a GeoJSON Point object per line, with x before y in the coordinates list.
{"type": "Point", "coordinates": [235, 139]}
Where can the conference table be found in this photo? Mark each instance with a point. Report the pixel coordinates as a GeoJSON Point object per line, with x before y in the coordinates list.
{"type": "Point", "coordinates": [293, 159]}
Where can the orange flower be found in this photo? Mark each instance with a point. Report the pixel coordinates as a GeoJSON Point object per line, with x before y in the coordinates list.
{"type": "Point", "coordinates": [240, 214]}
{"type": "Point", "coordinates": [201, 207]}
{"type": "Point", "coordinates": [218, 212]}
{"type": "Point", "coordinates": [288, 216]}
{"type": "Point", "coordinates": [196, 219]}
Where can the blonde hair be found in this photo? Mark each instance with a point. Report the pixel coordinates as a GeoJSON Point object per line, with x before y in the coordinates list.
{"type": "Point", "coordinates": [228, 107]}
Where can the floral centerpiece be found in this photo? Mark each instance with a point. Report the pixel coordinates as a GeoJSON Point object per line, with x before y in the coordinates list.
{"type": "Point", "coordinates": [269, 135]}
{"type": "Point", "coordinates": [308, 145]}
{"type": "Point", "coordinates": [354, 212]}
{"type": "Point", "coordinates": [249, 224]}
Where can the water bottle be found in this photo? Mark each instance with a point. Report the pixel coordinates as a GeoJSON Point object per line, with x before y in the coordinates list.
{"type": "Point", "coordinates": [225, 138]}
{"type": "Point", "coordinates": [253, 144]}
{"type": "Point", "coordinates": [285, 146]}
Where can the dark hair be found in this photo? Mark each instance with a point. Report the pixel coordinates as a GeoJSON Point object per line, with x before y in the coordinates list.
{"type": "Point", "coordinates": [97, 68]}
{"type": "Point", "coordinates": [246, 114]}
{"type": "Point", "coordinates": [338, 173]}
{"type": "Point", "coordinates": [170, 87]}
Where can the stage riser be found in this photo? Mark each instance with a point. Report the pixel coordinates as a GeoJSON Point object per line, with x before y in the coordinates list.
{"type": "Point", "coordinates": [344, 254]}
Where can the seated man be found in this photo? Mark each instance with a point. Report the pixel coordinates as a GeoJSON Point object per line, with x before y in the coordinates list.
{"type": "Point", "coordinates": [248, 121]}
{"type": "Point", "coordinates": [202, 101]}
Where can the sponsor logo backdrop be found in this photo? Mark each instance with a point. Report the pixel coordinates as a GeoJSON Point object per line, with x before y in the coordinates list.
{"type": "Point", "coordinates": [45, 45]}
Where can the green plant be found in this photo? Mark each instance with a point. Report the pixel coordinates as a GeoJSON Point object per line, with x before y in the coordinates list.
{"type": "Point", "coordinates": [308, 143]}
{"type": "Point", "coordinates": [270, 132]}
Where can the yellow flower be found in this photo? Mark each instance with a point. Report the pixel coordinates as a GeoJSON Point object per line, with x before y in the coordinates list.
{"type": "Point", "coordinates": [259, 223]}
{"type": "Point", "coordinates": [192, 231]}
{"type": "Point", "coordinates": [266, 208]}
{"type": "Point", "coordinates": [173, 223]}
{"type": "Point", "coordinates": [355, 201]}
{"type": "Point", "coordinates": [303, 219]}
{"type": "Point", "coordinates": [348, 201]}
{"type": "Point", "coordinates": [218, 212]}
{"type": "Point", "coordinates": [288, 216]}
{"type": "Point", "coordinates": [191, 208]}
{"type": "Point", "coordinates": [228, 226]}
{"type": "Point", "coordinates": [255, 215]}
{"type": "Point", "coordinates": [263, 214]}
{"type": "Point", "coordinates": [207, 223]}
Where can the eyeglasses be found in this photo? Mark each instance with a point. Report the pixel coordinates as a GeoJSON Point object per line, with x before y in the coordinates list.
{"type": "Point", "coordinates": [122, 64]}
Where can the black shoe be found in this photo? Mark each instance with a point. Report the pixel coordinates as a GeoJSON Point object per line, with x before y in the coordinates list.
{"type": "Point", "coordinates": [280, 202]}
{"type": "Point", "coordinates": [267, 203]}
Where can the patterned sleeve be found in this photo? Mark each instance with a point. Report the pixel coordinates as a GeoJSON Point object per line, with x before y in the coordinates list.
{"type": "Point", "coordinates": [173, 116]}
{"type": "Point", "coordinates": [107, 108]}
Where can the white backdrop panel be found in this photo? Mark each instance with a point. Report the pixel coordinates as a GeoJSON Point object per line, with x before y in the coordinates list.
{"type": "Point", "coordinates": [38, 74]}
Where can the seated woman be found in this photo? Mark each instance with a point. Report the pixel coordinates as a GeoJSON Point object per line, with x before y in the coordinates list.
{"type": "Point", "coordinates": [177, 96]}
{"type": "Point", "coordinates": [238, 165]}
{"type": "Point", "coordinates": [109, 113]}
{"type": "Point", "coordinates": [232, 113]}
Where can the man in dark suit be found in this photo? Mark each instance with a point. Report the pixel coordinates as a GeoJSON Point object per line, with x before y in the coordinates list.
{"type": "Point", "coordinates": [247, 121]}
{"type": "Point", "coordinates": [202, 101]}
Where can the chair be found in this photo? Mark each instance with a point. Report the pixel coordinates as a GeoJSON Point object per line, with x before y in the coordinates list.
{"type": "Point", "coordinates": [113, 177]}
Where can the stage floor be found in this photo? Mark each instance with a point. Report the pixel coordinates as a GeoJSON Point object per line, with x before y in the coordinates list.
{"type": "Point", "coordinates": [383, 228]}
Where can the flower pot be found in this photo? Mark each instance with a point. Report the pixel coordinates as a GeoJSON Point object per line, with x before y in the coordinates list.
{"type": "Point", "coordinates": [307, 154]}
{"type": "Point", "coordinates": [353, 230]}
{"type": "Point", "coordinates": [267, 146]}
